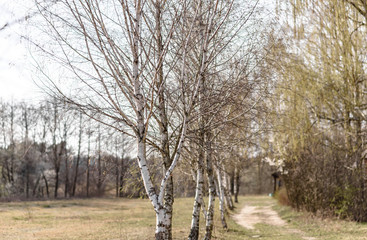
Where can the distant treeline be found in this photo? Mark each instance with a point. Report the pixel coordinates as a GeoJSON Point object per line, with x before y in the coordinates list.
{"type": "Point", "coordinates": [50, 150]}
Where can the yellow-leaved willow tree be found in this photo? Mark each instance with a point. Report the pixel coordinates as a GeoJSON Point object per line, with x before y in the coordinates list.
{"type": "Point", "coordinates": [320, 106]}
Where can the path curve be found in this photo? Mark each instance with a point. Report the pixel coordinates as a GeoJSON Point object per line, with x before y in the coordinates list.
{"type": "Point", "coordinates": [250, 215]}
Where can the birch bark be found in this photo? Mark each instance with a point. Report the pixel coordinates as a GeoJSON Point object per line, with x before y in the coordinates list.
{"type": "Point", "coordinates": [163, 119]}
{"type": "Point", "coordinates": [212, 191]}
{"type": "Point", "coordinates": [194, 232]}
{"type": "Point", "coordinates": [226, 192]}
{"type": "Point", "coordinates": [221, 199]}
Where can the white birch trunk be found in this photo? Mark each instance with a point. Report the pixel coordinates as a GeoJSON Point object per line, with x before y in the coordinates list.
{"type": "Point", "coordinates": [221, 199]}
{"type": "Point", "coordinates": [140, 105]}
{"type": "Point", "coordinates": [163, 124]}
{"type": "Point", "coordinates": [161, 219]}
{"type": "Point", "coordinates": [226, 192]}
{"type": "Point", "coordinates": [209, 223]}
{"type": "Point", "coordinates": [162, 224]}
{"type": "Point", "coordinates": [194, 232]}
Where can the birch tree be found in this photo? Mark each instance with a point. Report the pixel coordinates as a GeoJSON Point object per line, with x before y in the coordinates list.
{"type": "Point", "coordinates": [146, 68]}
{"type": "Point", "coordinates": [120, 88]}
{"type": "Point", "coordinates": [219, 86]}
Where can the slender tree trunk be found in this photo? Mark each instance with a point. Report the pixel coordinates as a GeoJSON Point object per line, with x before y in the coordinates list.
{"type": "Point", "coordinates": [36, 185]}
{"type": "Point", "coordinates": [236, 183]}
{"type": "Point", "coordinates": [56, 181]}
{"type": "Point", "coordinates": [12, 142]}
{"type": "Point", "coordinates": [227, 193]}
{"type": "Point", "coordinates": [117, 177]}
{"type": "Point", "coordinates": [210, 174]}
{"type": "Point", "coordinates": [162, 224]}
{"type": "Point", "coordinates": [56, 159]}
{"type": "Point", "coordinates": [203, 207]}
{"type": "Point", "coordinates": [64, 151]}
{"type": "Point", "coordinates": [27, 183]}
{"type": "Point", "coordinates": [195, 227]}
{"type": "Point", "coordinates": [66, 176]}
{"type": "Point", "coordinates": [46, 184]}
{"type": "Point", "coordinates": [78, 156]}
{"type": "Point", "coordinates": [194, 232]}
{"type": "Point", "coordinates": [99, 164]}
{"type": "Point", "coordinates": [5, 170]}
{"type": "Point", "coordinates": [121, 178]}
{"type": "Point", "coordinates": [121, 193]}
{"type": "Point", "coordinates": [163, 125]}
{"type": "Point", "coordinates": [88, 160]}
{"type": "Point", "coordinates": [221, 199]}
{"type": "Point", "coordinates": [3, 175]}
{"type": "Point", "coordinates": [25, 150]}
{"type": "Point", "coordinates": [195, 222]}
{"type": "Point", "coordinates": [232, 182]}
{"type": "Point", "coordinates": [88, 173]}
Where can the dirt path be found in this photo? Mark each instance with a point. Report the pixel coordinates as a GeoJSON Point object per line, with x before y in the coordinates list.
{"type": "Point", "coordinates": [252, 214]}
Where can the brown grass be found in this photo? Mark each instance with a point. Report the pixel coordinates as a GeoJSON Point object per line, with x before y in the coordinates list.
{"type": "Point", "coordinates": [106, 218]}
{"type": "Point", "coordinates": [111, 218]}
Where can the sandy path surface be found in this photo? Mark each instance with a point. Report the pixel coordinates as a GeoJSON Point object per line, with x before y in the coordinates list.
{"type": "Point", "coordinates": [252, 215]}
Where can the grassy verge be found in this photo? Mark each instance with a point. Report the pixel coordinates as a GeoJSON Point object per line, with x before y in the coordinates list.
{"type": "Point", "coordinates": [304, 226]}
{"type": "Point", "coordinates": [323, 229]}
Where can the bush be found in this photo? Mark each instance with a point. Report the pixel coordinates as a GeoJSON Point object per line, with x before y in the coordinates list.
{"type": "Point", "coordinates": [325, 180]}
{"type": "Point", "coordinates": [342, 201]}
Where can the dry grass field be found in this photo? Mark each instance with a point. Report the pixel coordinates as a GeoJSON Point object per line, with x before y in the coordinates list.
{"type": "Point", "coordinates": [110, 218]}
{"type": "Point", "coordinates": [106, 218]}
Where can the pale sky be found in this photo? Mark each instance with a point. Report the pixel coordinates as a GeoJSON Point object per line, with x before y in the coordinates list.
{"type": "Point", "coordinates": [15, 68]}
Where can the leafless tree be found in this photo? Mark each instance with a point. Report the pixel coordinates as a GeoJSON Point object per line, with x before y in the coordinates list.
{"type": "Point", "coordinates": [146, 67]}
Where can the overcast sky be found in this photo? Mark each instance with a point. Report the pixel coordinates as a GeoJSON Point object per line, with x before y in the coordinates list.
{"type": "Point", "coordinates": [16, 70]}
{"type": "Point", "coordinates": [16, 80]}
